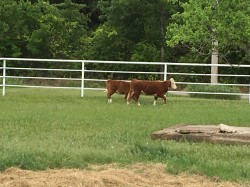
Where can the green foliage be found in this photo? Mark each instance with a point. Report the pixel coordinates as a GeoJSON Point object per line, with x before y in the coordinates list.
{"type": "Point", "coordinates": [126, 30]}
{"type": "Point", "coordinates": [202, 22]}
{"type": "Point", "coordinates": [14, 81]}
{"type": "Point", "coordinates": [41, 30]}
{"type": "Point", "coordinates": [131, 30]}
{"type": "Point", "coordinates": [214, 88]}
{"type": "Point", "coordinates": [61, 30]}
{"type": "Point", "coordinates": [13, 29]}
{"type": "Point", "coordinates": [142, 25]}
{"type": "Point", "coordinates": [105, 44]}
{"type": "Point", "coordinates": [145, 52]}
{"type": "Point", "coordinates": [48, 128]}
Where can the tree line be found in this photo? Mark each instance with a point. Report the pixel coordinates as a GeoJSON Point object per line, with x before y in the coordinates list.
{"type": "Point", "coordinates": [127, 30]}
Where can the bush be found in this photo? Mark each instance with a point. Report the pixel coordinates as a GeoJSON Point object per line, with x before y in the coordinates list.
{"type": "Point", "coordinates": [214, 89]}
{"type": "Point", "coordinates": [14, 81]}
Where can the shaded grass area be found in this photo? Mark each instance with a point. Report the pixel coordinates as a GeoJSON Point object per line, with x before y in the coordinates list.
{"type": "Point", "coordinates": [47, 128]}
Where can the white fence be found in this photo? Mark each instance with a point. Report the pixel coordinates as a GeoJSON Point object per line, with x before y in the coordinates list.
{"type": "Point", "coordinates": [5, 67]}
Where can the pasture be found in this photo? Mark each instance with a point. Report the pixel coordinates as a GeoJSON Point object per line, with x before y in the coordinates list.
{"type": "Point", "coordinates": [48, 128]}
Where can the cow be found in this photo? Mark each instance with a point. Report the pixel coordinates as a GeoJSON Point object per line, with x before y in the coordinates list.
{"type": "Point", "coordinates": [156, 88]}
{"type": "Point", "coordinates": [117, 86]}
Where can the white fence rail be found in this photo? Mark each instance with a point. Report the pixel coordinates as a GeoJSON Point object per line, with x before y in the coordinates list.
{"type": "Point", "coordinates": [5, 67]}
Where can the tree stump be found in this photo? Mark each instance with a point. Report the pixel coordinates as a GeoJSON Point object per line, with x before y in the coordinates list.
{"type": "Point", "coordinates": [223, 134]}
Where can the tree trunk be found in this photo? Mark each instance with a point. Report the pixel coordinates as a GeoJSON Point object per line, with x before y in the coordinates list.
{"type": "Point", "coordinates": [214, 60]}
{"type": "Point", "coordinates": [162, 27]}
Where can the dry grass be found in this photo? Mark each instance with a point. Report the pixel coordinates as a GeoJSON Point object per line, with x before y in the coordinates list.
{"type": "Point", "coordinates": [152, 175]}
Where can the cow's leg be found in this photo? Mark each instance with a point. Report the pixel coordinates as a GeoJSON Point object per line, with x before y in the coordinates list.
{"type": "Point", "coordinates": [126, 96]}
{"type": "Point", "coordinates": [136, 98]}
{"type": "Point", "coordinates": [155, 99]}
{"type": "Point", "coordinates": [109, 94]}
{"type": "Point", "coordinates": [109, 98]}
{"type": "Point", "coordinates": [130, 95]}
{"type": "Point", "coordinates": [163, 98]}
{"type": "Point", "coordinates": [133, 98]}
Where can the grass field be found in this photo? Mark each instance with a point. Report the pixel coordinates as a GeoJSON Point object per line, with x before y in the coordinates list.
{"type": "Point", "coordinates": [46, 128]}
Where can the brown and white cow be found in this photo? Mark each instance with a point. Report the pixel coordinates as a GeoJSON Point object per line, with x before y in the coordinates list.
{"type": "Point", "coordinates": [156, 88]}
{"type": "Point", "coordinates": [117, 86]}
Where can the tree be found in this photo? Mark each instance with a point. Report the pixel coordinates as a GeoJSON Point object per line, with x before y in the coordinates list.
{"type": "Point", "coordinates": [106, 44]}
{"type": "Point", "coordinates": [201, 22]}
{"type": "Point", "coordinates": [14, 30]}
{"type": "Point", "coordinates": [42, 30]}
{"type": "Point", "coordinates": [132, 30]}
{"type": "Point", "coordinates": [143, 23]}
{"type": "Point", "coordinates": [207, 27]}
{"type": "Point", "coordinates": [60, 31]}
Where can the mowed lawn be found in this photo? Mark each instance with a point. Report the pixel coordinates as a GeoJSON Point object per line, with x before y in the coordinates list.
{"type": "Point", "coordinates": [51, 128]}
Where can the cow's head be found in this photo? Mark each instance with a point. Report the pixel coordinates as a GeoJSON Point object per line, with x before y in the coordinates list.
{"type": "Point", "coordinates": [173, 85]}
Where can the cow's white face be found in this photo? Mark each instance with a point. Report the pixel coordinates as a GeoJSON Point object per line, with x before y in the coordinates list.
{"type": "Point", "coordinates": [173, 85]}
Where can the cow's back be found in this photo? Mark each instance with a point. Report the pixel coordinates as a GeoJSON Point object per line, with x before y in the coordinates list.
{"type": "Point", "coordinates": [153, 87]}
{"type": "Point", "coordinates": [123, 87]}
{"type": "Point", "coordinates": [149, 87]}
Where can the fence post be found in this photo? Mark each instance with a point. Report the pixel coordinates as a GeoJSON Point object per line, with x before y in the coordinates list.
{"type": "Point", "coordinates": [4, 76]}
{"type": "Point", "coordinates": [165, 71]}
{"type": "Point", "coordinates": [82, 81]}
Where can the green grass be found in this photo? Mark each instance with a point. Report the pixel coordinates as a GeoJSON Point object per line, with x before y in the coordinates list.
{"type": "Point", "coordinates": [47, 128]}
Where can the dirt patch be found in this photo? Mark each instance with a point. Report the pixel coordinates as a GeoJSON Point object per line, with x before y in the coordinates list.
{"type": "Point", "coordinates": [106, 176]}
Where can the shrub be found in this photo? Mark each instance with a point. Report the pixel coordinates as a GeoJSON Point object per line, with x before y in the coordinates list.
{"type": "Point", "coordinates": [214, 89]}
{"type": "Point", "coordinates": [13, 81]}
